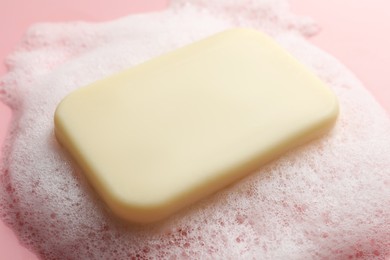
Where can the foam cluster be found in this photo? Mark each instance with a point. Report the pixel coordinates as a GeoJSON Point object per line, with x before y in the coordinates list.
{"type": "Point", "coordinates": [328, 199]}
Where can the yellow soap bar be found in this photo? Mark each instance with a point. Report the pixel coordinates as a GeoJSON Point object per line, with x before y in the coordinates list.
{"type": "Point", "coordinates": [164, 134]}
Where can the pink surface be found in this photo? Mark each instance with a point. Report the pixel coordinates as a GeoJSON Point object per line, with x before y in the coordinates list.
{"type": "Point", "coordinates": [353, 31]}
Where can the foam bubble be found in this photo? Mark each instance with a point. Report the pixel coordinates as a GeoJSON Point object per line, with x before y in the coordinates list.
{"type": "Point", "coordinates": [328, 199]}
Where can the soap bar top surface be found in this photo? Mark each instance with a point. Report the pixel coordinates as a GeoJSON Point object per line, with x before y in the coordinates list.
{"type": "Point", "coordinates": [157, 137]}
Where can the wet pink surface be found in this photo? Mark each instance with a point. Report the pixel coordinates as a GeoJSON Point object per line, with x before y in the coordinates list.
{"type": "Point", "coordinates": [356, 32]}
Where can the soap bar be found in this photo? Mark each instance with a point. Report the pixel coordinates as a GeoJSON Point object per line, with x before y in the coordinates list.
{"type": "Point", "coordinates": [159, 136]}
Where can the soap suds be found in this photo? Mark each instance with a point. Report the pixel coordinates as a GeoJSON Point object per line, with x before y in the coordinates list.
{"type": "Point", "coordinates": [325, 200]}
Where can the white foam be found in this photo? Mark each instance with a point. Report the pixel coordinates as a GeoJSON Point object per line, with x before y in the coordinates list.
{"type": "Point", "coordinates": [328, 199]}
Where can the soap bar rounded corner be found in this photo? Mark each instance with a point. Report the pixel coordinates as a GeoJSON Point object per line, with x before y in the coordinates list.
{"type": "Point", "coordinates": [59, 113]}
{"type": "Point", "coordinates": [179, 121]}
{"type": "Point", "coordinates": [139, 213]}
{"type": "Point", "coordinates": [332, 112]}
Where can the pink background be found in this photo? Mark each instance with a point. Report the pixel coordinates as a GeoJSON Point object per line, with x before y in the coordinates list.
{"type": "Point", "coordinates": [356, 32]}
